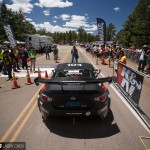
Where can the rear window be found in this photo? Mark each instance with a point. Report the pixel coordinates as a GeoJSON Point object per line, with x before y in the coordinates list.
{"type": "Point", "coordinates": [75, 73]}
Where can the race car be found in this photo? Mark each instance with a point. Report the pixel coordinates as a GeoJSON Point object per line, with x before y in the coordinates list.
{"type": "Point", "coordinates": [74, 90]}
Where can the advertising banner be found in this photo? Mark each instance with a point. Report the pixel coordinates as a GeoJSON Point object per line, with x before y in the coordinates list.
{"type": "Point", "coordinates": [130, 83]}
{"type": "Point", "coordinates": [9, 33]}
{"type": "Point", "coordinates": [101, 26]}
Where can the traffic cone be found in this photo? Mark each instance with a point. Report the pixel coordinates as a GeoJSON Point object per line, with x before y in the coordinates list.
{"type": "Point", "coordinates": [39, 73]}
{"type": "Point", "coordinates": [46, 75]}
{"type": "Point", "coordinates": [15, 84]}
{"type": "Point", "coordinates": [28, 79]}
{"type": "Point", "coordinates": [103, 62]}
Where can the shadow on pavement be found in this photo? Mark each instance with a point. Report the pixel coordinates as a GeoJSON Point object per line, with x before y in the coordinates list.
{"type": "Point", "coordinates": [84, 128]}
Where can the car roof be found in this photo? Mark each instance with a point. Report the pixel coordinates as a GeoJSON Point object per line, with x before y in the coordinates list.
{"type": "Point", "coordinates": [67, 66]}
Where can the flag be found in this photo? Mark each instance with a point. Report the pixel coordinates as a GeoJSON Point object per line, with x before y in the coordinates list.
{"type": "Point", "coordinates": [9, 33]}
{"type": "Point", "coordinates": [101, 26]}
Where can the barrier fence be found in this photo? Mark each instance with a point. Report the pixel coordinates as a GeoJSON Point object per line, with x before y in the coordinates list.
{"type": "Point", "coordinates": [135, 87]}
{"type": "Point", "coordinates": [132, 55]}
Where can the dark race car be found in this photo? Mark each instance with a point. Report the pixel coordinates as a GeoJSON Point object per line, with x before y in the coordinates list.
{"type": "Point", "coordinates": [74, 90]}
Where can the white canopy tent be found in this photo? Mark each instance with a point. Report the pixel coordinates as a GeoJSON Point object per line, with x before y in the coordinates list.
{"type": "Point", "coordinates": [18, 42]}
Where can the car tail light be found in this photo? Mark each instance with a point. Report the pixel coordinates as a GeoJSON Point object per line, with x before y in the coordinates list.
{"type": "Point", "coordinates": [101, 98]}
{"type": "Point", "coordinates": [103, 87]}
{"type": "Point", "coordinates": [45, 98]}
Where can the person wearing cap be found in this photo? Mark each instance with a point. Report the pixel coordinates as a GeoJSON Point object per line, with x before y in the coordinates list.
{"type": "Point", "coordinates": [32, 56]}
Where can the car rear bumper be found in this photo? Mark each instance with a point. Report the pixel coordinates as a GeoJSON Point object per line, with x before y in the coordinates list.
{"type": "Point", "coordinates": [94, 111]}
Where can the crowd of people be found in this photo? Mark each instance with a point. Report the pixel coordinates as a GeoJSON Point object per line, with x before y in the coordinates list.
{"type": "Point", "coordinates": [17, 58]}
{"type": "Point", "coordinates": [116, 53]}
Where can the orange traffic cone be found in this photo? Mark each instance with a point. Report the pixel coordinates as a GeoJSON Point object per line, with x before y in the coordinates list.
{"type": "Point", "coordinates": [46, 75]}
{"type": "Point", "coordinates": [28, 79]}
{"type": "Point", "coordinates": [15, 84]}
{"type": "Point", "coordinates": [39, 73]}
{"type": "Point", "coordinates": [103, 62]}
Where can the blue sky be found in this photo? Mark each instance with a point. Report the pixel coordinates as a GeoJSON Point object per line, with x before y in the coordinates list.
{"type": "Point", "coordinates": [65, 15]}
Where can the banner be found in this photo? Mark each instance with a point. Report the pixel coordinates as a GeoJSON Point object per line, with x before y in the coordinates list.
{"type": "Point", "coordinates": [130, 83]}
{"type": "Point", "coordinates": [101, 25]}
{"type": "Point", "coordinates": [9, 33]}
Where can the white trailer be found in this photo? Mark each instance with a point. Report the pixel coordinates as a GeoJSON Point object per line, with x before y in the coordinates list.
{"type": "Point", "coordinates": [37, 41]}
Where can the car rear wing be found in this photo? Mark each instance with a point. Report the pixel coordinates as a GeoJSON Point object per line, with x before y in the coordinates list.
{"type": "Point", "coordinates": [73, 81]}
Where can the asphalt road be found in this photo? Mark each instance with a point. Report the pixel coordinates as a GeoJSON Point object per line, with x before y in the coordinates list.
{"type": "Point", "coordinates": [21, 121]}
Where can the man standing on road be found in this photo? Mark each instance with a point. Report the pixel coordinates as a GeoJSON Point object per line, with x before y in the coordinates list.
{"type": "Point", "coordinates": [32, 56]}
{"type": "Point", "coordinates": [75, 55]}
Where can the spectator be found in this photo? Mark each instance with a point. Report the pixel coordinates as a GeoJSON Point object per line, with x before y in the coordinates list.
{"type": "Point", "coordinates": [111, 56]}
{"type": "Point", "coordinates": [8, 64]}
{"type": "Point", "coordinates": [123, 60]}
{"type": "Point", "coordinates": [24, 57]}
{"type": "Point", "coordinates": [47, 52]}
{"type": "Point", "coordinates": [55, 52]}
{"type": "Point", "coordinates": [12, 55]}
{"type": "Point", "coordinates": [16, 58]}
{"type": "Point", "coordinates": [32, 56]}
{"type": "Point", "coordinates": [1, 59]}
{"type": "Point", "coordinates": [142, 60]}
{"type": "Point", "coordinates": [147, 68]}
{"type": "Point", "coordinates": [75, 54]}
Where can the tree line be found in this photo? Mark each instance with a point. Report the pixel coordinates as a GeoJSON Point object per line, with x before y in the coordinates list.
{"type": "Point", "coordinates": [135, 32]}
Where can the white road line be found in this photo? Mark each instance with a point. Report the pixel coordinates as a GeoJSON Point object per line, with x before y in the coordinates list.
{"type": "Point", "coordinates": [122, 98]}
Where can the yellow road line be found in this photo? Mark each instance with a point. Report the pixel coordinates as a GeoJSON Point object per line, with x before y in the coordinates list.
{"type": "Point", "coordinates": [4, 84]}
{"type": "Point", "coordinates": [8, 132]}
{"type": "Point", "coordinates": [23, 123]}
{"type": "Point", "coordinates": [144, 137]}
{"type": "Point", "coordinates": [18, 118]}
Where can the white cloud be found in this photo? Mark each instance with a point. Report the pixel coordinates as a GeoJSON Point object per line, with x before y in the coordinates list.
{"type": "Point", "coordinates": [65, 17]}
{"type": "Point", "coordinates": [76, 22]}
{"type": "Point", "coordinates": [29, 19]}
{"type": "Point", "coordinates": [50, 28]}
{"type": "Point", "coordinates": [38, 4]}
{"type": "Point", "coordinates": [46, 12]}
{"type": "Point", "coordinates": [55, 3]}
{"type": "Point", "coordinates": [91, 28]}
{"type": "Point", "coordinates": [117, 9]}
{"type": "Point", "coordinates": [54, 21]}
{"type": "Point", "coordinates": [80, 21]}
{"type": "Point", "coordinates": [23, 5]}
{"type": "Point", "coordinates": [56, 17]}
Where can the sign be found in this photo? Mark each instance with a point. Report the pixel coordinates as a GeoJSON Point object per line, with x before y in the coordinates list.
{"type": "Point", "coordinates": [9, 33]}
{"type": "Point", "coordinates": [101, 26]}
{"type": "Point", "coordinates": [130, 83]}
